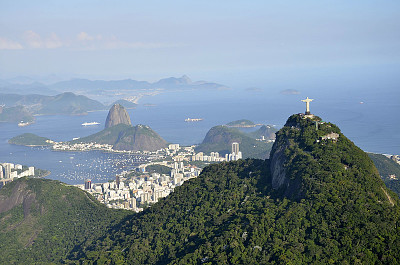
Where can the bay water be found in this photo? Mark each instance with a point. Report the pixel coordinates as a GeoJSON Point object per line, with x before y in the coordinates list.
{"type": "Point", "coordinates": [369, 119]}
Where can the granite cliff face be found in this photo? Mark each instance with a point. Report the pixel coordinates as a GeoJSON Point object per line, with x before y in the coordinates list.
{"type": "Point", "coordinates": [278, 157]}
{"type": "Point", "coordinates": [277, 166]}
{"type": "Point", "coordinates": [19, 195]}
{"type": "Point", "coordinates": [117, 115]}
{"type": "Point", "coordinates": [292, 145]}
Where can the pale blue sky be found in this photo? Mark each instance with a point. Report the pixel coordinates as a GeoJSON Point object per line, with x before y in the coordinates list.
{"type": "Point", "coordinates": [148, 40]}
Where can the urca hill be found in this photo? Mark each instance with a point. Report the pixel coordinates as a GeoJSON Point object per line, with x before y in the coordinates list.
{"type": "Point", "coordinates": [318, 199]}
{"type": "Point", "coordinates": [123, 136]}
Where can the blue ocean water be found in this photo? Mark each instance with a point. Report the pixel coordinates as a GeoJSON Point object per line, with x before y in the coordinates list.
{"type": "Point", "coordinates": [369, 119]}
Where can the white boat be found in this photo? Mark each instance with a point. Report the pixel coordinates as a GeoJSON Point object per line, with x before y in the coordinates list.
{"type": "Point", "coordinates": [192, 120]}
{"type": "Point", "coordinates": [22, 124]}
{"type": "Point", "coordinates": [90, 123]}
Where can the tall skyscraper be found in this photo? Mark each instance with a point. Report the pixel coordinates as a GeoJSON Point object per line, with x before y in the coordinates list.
{"type": "Point", "coordinates": [117, 181]}
{"type": "Point", "coordinates": [88, 184]}
{"type": "Point", "coordinates": [1, 172]}
{"type": "Point", "coordinates": [235, 148]}
{"type": "Point", "coordinates": [133, 203]}
{"type": "Point", "coordinates": [7, 171]}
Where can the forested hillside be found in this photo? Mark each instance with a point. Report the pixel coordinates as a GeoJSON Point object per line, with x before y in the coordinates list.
{"type": "Point", "coordinates": [43, 220]}
{"type": "Point", "coordinates": [319, 199]}
{"type": "Point", "coordinates": [332, 207]}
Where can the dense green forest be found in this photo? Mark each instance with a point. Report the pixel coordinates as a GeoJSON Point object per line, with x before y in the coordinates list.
{"type": "Point", "coordinates": [339, 212]}
{"type": "Point", "coordinates": [331, 207]}
{"type": "Point", "coordinates": [242, 122]}
{"type": "Point", "coordinates": [44, 220]}
{"type": "Point", "coordinates": [158, 169]}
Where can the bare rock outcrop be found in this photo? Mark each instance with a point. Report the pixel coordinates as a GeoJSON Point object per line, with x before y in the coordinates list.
{"type": "Point", "coordinates": [277, 166]}
{"type": "Point", "coordinates": [117, 115]}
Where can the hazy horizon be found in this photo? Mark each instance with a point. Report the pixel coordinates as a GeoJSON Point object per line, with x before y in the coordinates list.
{"type": "Point", "coordinates": [236, 43]}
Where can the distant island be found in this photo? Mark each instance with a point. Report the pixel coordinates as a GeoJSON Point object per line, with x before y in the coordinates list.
{"type": "Point", "coordinates": [290, 92]}
{"type": "Point", "coordinates": [30, 139]}
{"type": "Point", "coordinates": [242, 123]}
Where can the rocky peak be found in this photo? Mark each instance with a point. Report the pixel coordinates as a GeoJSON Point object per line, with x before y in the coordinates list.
{"type": "Point", "coordinates": [117, 115]}
{"type": "Point", "coordinates": [186, 79]}
{"type": "Point", "coordinates": [298, 147]}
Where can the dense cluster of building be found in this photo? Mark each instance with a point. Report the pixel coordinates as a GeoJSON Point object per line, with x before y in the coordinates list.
{"type": "Point", "coordinates": [395, 158]}
{"type": "Point", "coordinates": [139, 188]}
{"type": "Point", "coordinates": [215, 156]}
{"type": "Point", "coordinates": [61, 146]}
{"type": "Point", "coordinates": [235, 155]}
{"type": "Point", "coordinates": [9, 172]}
{"type": "Point", "coordinates": [267, 140]}
{"type": "Point", "coordinates": [138, 191]}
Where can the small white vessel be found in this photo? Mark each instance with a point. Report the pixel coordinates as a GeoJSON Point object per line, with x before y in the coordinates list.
{"type": "Point", "coordinates": [90, 123]}
{"type": "Point", "coordinates": [192, 120]}
{"type": "Point", "coordinates": [23, 124]}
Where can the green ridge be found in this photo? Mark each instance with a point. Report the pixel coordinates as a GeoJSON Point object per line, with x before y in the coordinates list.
{"type": "Point", "coordinates": [387, 167]}
{"type": "Point", "coordinates": [15, 114]}
{"type": "Point", "coordinates": [220, 139]}
{"type": "Point", "coordinates": [29, 139]}
{"type": "Point", "coordinates": [43, 220]}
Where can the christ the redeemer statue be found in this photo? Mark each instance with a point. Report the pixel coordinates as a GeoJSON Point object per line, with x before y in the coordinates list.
{"type": "Point", "coordinates": [307, 101]}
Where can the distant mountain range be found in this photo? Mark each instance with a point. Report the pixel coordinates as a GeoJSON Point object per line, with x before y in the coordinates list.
{"type": "Point", "coordinates": [77, 96]}
{"type": "Point", "coordinates": [87, 87]}
{"type": "Point", "coordinates": [16, 108]}
{"type": "Point", "coordinates": [65, 104]}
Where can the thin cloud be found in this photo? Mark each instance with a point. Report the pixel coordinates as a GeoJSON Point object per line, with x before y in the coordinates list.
{"type": "Point", "coordinates": [83, 36]}
{"type": "Point", "coordinates": [100, 42]}
{"type": "Point", "coordinates": [81, 41]}
{"type": "Point", "coordinates": [6, 44]}
{"type": "Point", "coordinates": [35, 41]}
{"type": "Point", "coordinates": [116, 44]}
